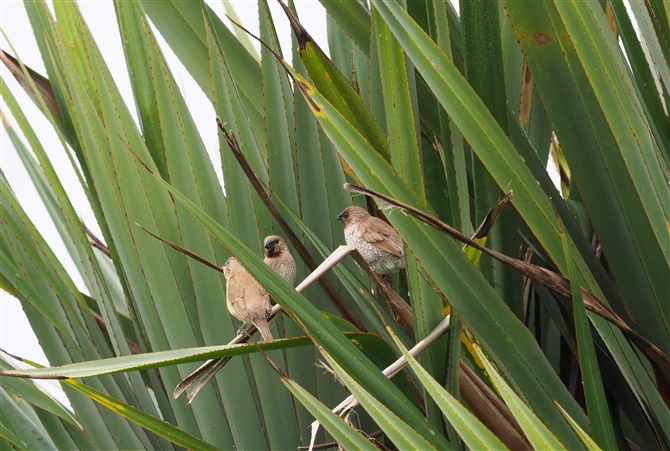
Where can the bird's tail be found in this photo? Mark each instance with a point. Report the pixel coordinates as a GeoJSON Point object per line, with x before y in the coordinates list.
{"type": "Point", "coordinates": [264, 329]}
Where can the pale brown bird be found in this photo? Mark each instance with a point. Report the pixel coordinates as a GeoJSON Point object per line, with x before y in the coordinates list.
{"type": "Point", "coordinates": [247, 299]}
{"type": "Point", "coordinates": [279, 258]}
{"type": "Point", "coordinates": [378, 242]}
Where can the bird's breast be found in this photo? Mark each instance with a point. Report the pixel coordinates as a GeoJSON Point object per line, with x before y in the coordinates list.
{"type": "Point", "coordinates": [369, 251]}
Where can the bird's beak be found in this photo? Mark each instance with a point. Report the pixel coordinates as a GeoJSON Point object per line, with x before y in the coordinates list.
{"type": "Point", "coordinates": [339, 217]}
{"type": "Point", "coordinates": [269, 245]}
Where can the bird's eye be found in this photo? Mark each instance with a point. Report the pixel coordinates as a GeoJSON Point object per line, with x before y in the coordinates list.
{"type": "Point", "coordinates": [346, 215]}
{"type": "Point", "coordinates": [276, 241]}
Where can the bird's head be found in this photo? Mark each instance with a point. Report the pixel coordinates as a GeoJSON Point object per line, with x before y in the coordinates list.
{"type": "Point", "coordinates": [273, 245]}
{"type": "Point", "coordinates": [230, 265]}
{"type": "Point", "coordinates": [352, 215]}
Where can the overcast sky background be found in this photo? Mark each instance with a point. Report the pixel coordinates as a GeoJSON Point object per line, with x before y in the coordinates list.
{"type": "Point", "coordinates": [16, 335]}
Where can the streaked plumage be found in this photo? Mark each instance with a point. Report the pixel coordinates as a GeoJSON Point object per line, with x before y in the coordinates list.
{"type": "Point", "coordinates": [247, 300]}
{"type": "Point", "coordinates": [379, 243]}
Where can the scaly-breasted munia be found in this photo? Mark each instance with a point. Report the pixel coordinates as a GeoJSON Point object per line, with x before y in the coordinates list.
{"type": "Point", "coordinates": [378, 242]}
{"type": "Point", "coordinates": [247, 299]}
{"type": "Point", "coordinates": [279, 258]}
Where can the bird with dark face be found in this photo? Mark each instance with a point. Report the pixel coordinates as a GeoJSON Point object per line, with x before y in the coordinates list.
{"type": "Point", "coordinates": [247, 300]}
{"type": "Point", "coordinates": [279, 258]}
{"type": "Point", "coordinates": [378, 242]}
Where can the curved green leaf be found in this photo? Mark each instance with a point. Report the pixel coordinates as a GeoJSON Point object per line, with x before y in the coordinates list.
{"type": "Point", "coordinates": [19, 428]}
{"type": "Point", "coordinates": [619, 179]}
{"type": "Point", "coordinates": [354, 20]}
{"type": "Point", "coordinates": [396, 429]}
{"type": "Point", "coordinates": [473, 433]}
{"type": "Point", "coordinates": [596, 402]}
{"type": "Point", "coordinates": [477, 125]}
{"type": "Point", "coordinates": [182, 26]}
{"type": "Point", "coordinates": [583, 436]}
{"type": "Point", "coordinates": [149, 422]}
{"type": "Point", "coordinates": [337, 89]}
{"type": "Point", "coordinates": [158, 359]}
{"type": "Point", "coordinates": [323, 333]}
{"type": "Point", "coordinates": [452, 273]}
{"type": "Point", "coordinates": [345, 435]}
{"type": "Point", "coordinates": [539, 435]}
{"type": "Point", "coordinates": [31, 393]}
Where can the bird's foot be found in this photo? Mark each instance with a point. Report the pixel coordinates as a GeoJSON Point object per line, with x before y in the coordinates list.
{"type": "Point", "coordinates": [243, 331]}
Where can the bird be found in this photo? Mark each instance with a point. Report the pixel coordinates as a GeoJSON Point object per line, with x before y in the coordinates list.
{"type": "Point", "coordinates": [279, 258]}
{"type": "Point", "coordinates": [240, 288]}
{"type": "Point", "coordinates": [379, 243]}
{"type": "Point", "coordinates": [247, 300]}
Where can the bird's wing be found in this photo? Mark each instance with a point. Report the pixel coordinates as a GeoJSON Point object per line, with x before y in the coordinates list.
{"type": "Point", "coordinates": [259, 302]}
{"type": "Point", "coordinates": [382, 235]}
{"type": "Point", "coordinates": [235, 295]}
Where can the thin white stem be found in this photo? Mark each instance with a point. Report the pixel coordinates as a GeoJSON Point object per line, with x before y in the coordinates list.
{"type": "Point", "coordinates": [399, 364]}
{"type": "Point", "coordinates": [334, 258]}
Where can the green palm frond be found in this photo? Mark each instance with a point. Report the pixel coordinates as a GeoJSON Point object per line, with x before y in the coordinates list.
{"type": "Point", "coordinates": [441, 111]}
